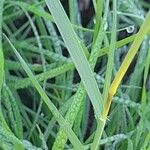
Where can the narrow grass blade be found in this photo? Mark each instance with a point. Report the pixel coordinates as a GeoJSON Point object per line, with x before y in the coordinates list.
{"type": "Point", "coordinates": [137, 75]}
{"type": "Point", "coordinates": [3, 122]}
{"type": "Point", "coordinates": [99, 10]}
{"type": "Point", "coordinates": [34, 9]}
{"type": "Point", "coordinates": [146, 71]}
{"type": "Point", "coordinates": [123, 68]}
{"type": "Point", "coordinates": [13, 111]}
{"type": "Point", "coordinates": [110, 63]}
{"type": "Point", "coordinates": [73, 138]}
{"type": "Point", "coordinates": [108, 76]}
{"type": "Point", "coordinates": [23, 83]}
{"type": "Point", "coordinates": [1, 51]}
{"type": "Point", "coordinates": [81, 92]}
{"type": "Point", "coordinates": [76, 52]}
{"type": "Point", "coordinates": [130, 55]}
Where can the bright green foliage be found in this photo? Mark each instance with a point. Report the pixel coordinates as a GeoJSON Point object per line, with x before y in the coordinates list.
{"type": "Point", "coordinates": [67, 82]}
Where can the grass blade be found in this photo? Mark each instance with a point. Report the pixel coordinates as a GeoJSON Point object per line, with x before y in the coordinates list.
{"type": "Point", "coordinates": [3, 122]}
{"type": "Point", "coordinates": [108, 77]}
{"type": "Point", "coordinates": [1, 50]}
{"type": "Point", "coordinates": [130, 55]}
{"type": "Point", "coordinates": [125, 64]}
{"type": "Point", "coordinates": [81, 92]}
{"type": "Point", "coordinates": [73, 138]}
{"type": "Point", "coordinates": [76, 52]}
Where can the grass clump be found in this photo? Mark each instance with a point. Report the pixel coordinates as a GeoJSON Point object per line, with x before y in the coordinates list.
{"type": "Point", "coordinates": [67, 82]}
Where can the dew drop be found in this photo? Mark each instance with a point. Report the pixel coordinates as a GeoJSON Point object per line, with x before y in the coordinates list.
{"type": "Point", "coordinates": [94, 21]}
{"type": "Point", "coordinates": [130, 29]}
{"type": "Point", "coordinates": [105, 26]}
{"type": "Point", "coordinates": [42, 115]}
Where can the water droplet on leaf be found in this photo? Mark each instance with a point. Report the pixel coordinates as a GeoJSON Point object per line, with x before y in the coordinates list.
{"type": "Point", "coordinates": [105, 26]}
{"type": "Point", "coordinates": [130, 29]}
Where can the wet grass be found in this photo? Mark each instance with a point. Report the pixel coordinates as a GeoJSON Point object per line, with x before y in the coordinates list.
{"type": "Point", "coordinates": [65, 86]}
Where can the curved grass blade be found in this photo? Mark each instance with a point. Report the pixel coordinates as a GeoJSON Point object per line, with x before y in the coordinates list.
{"type": "Point", "coordinates": [34, 9]}
{"type": "Point", "coordinates": [73, 138]}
